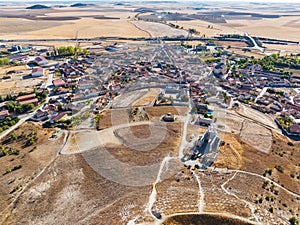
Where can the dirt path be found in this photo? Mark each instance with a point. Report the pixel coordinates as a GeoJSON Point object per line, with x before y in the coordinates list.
{"type": "Point", "coordinates": [246, 202]}
{"type": "Point", "coordinates": [153, 194]}
{"type": "Point", "coordinates": [266, 178]}
{"type": "Point", "coordinates": [183, 144]}
{"type": "Point", "coordinates": [201, 194]}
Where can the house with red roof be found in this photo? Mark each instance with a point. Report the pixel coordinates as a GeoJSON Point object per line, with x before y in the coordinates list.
{"type": "Point", "coordinates": [3, 114]}
{"type": "Point", "coordinates": [59, 83]}
{"type": "Point", "coordinates": [37, 72]}
{"type": "Point", "coordinates": [27, 99]}
{"type": "Point", "coordinates": [41, 60]}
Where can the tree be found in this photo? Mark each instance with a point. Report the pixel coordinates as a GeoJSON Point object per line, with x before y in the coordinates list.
{"type": "Point", "coordinates": [11, 106]}
{"type": "Point", "coordinates": [192, 31]}
{"type": "Point", "coordinates": [184, 98]}
{"type": "Point", "coordinates": [271, 209]}
{"type": "Point", "coordinates": [85, 51]}
{"type": "Point", "coordinates": [13, 136]}
{"type": "Point", "coordinates": [24, 108]}
{"type": "Point", "coordinates": [8, 97]}
{"type": "Point", "coordinates": [294, 221]}
{"type": "Point", "coordinates": [4, 61]}
{"type": "Point", "coordinates": [30, 142]}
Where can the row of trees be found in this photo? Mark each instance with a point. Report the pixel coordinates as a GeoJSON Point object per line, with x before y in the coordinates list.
{"type": "Point", "coordinates": [4, 61]}
{"type": "Point", "coordinates": [14, 107]}
{"type": "Point", "coordinates": [68, 51]}
{"type": "Point", "coordinates": [8, 122]}
{"type": "Point", "coordinates": [6, 98]}
{"type": "Point", "coordinates": [273, 63]}
{"type": "Point", "coordinates": [40, 95]}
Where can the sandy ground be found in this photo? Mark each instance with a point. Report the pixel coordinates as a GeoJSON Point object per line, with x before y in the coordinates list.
{"type": "Point", "coordinates": [14, 87]}
{"type": "Point", "coordinates": [87, 26]}
{"type": "Point", "coordinates": [18, 26]}
{"type": "Point", "coordinates": [257, 116]}
{"type": "Point", "coordinates": [288, 26]}
{"type": "Point", "coordinates": [80, 141]}
{"type": "Point", "coordinates": [21, 68]}
{"type": "Point", "coordinates": [127, 99]}
{"type": "Point", "coordinates": [7, 87]}
{"type": "Point", "coordinates": [257, 136]}
{"type": "Point", "coordinates": [158, 29]}
{"type": "Point", "coordinates": [201, 26]}
{"type": "Point", "coordinates": [283, 48]}
{"type": "Point", "coordinates": [148, 98]}
{"type": "Point", "coordinates": [99, 28]}
{"type": "Point", "coordinates": [89, 12]}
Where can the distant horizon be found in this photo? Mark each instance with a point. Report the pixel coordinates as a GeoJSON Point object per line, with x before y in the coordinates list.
{"type": "Point", "coordinates": [112, 1]}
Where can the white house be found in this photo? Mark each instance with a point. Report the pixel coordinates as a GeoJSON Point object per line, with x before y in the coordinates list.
{"type": "Point", "coordinates": [37, 72]}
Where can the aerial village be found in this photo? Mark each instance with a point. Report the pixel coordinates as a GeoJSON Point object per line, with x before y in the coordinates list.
{"type": "Point", "coordinates": [68, 80]}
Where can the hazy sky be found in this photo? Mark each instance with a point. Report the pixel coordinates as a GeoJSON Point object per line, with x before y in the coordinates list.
{"type": "Point", "coordinates": [202, 1]}
{"type": "Point", "coordinates": [181, 1]}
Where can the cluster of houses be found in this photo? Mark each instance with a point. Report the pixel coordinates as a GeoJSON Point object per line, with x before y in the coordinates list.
{"type": "Point", "coordinates": [170, 64]}
{"type": "Point", "coordinates": [73, 85]}
{"type": "Point", "coordinates": [31, 56]}
{"type": "Point", "coordinates": [263, 90]}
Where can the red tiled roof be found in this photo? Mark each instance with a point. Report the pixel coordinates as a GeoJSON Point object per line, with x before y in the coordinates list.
{"type": "Point", "coordinates": [4, 113]}
{"type": "Point", "coordinates": [295, 128]}
{"type": "Point", "coordinates": [40, 58]}
{"type": "Point", "coordinates": [30, 101]}
{"type": "Point", "coordinates": [25, 97]}
{"type": "Point", "coordinates": [58, 116]}
{"type": "Point", "coordinates": [37, 69]}
{"type": "Point", "coordinates": [59, 82]}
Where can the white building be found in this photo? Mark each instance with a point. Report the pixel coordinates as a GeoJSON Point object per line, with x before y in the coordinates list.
{"type": "Point", "coordinates": [37, 72]}
{"type": "Point", "coordinates": [41, 60]}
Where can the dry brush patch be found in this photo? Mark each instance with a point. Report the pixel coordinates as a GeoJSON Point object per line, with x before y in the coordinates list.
{"type": "Point", "coordinates": [195, 130]}
{"type": "Point", "coordinates": [216, 200]}
{"type": "Point", "coordinates": [108, 118]}
{"type": "Point", "coordinates": [230, 153]}
{"type": "Point", "coordinates": [168, 146]}
{"type": "Point", "coordinates": [69, 190]}
{"type": "Point", "coordinates": [272, 203]}
{"type": "Point", "coordinates": [148, 98]}
{"type": "Point", "coordinates": [203, 220]}
{"type": "Point", "coordinates": [159, 111]}
{"type": "Point", "coordinates": [178, 193]}
{"type": "Point", "coordinates": [31, 152]}
{"type": "Point", "coordinates": [283, 159]}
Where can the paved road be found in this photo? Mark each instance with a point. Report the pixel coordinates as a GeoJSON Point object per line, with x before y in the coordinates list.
{"type": "Point", "coordinates": [184, 142]}
{"type": "Point", "coordinates": [264, 90]}
{"type": "Point", "coordinates": [23, 118]}
{"type": "Point", "coordinates": [49, 80]}
{"type": "Point", "coordinates": [256, 46]}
